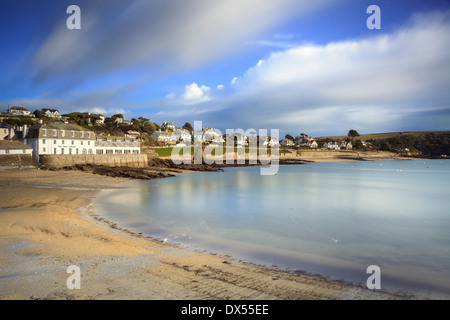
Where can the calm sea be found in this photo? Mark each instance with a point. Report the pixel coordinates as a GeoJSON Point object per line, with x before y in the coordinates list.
{"type": "Point", "coordinates": [333, 219]}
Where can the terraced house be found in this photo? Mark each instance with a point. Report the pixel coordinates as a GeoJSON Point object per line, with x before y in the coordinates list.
{"type": "Point", "coordinates": [70, 139]}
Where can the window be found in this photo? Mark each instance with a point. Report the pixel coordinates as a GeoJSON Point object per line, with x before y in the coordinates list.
{"type": "Point", "coordinates": [77, 150]}
{"type": "Point", "coordinates": [54, 151]}
{"type": "Point", "coordinates": [70, 151]}
{"type": "Point", "coordinates": [63, 133]}
{"type": "Point", "coordinates": [62, 141]}
{"type": "Point", "coordinates": [44, 132]}
{"type": "Point", "coordinates": [89, 135]}
{"type": "Point", "coordinates": [73, 142]}
{"type": "Point", "coordinates": [81, 142]}
{"type": "Point", "coordinates": [73, 134]}
{"type": "Point", "coordinates": [62, 150]}
{"type": "Point", "coordinates": [81, 134]}
{"type": "Point", "coordinates": [89, 143]}
{"type": "Point", "coordinates": [54, 141]}
{"type": "Point", "coordinates": [43, 149]}
{"type": "Point", "coordinates": [43, 140]}
{"type": "Point", "coordinates": [55, 134]}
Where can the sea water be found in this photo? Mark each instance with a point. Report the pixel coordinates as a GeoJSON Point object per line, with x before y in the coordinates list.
{"type": "Point", "coordinates": [334, 219]}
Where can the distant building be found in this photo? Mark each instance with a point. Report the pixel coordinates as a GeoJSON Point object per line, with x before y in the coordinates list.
{"type": "Point", "coordinates": [287, 143]}
{"type": "Point", "coordinates": [6, 131]}
{"type": "Point", "coordinates": [101, 119]}
{"type": "Point", "coordinates": [19, 111]}
{"type": "Point", "coordinates": [10, 147]}
{"type": "Point", "coordinates": [168, 125]}
{"type": "Point", "coordinates": [331, 145]}
{"type": "Point", "coordinates": [162, 136]}
{"type": "Point", "coordinates": [70, 139]}
{"type": "Point", "coordinates": [51, 113]}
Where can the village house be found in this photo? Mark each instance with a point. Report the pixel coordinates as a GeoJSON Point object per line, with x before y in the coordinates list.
{"type": "Point", "coordinates": [20, 111]}
{"type": "Point", "coordinates": [333, 145]}
{"type": "Point", "coordinates": [51, 113]}
{"type": "Point", "coordinates": [15, 154]}
{"type": "Point", "coordinates": [287, 143]}
{"type": "Point", "coordinates": [168, 126]}
{"type": "Point", "coordinates": [162, 136]}
{"type": "Point", "coordinates": [100, 120]}
{"type": "Point", "coordinates": [310, 143]}
{"type": "Point", "coordinates": [213, 136]}
{"type": "Point", "coordinates": [69, 139]}
{"type": "Point", "coordinates": [5, 131]}
{"type": "Point", "coordinates": [344, 145]}
{"type": "Point", "coordinates": [116, 145]}
{"type": "Point", "coordinates": [11, 147]}
{"type": "Point", "coordinates": [126, 131]}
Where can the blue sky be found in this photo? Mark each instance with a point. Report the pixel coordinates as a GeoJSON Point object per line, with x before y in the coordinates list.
{"type": "Point", "coordinates": [293, 65]}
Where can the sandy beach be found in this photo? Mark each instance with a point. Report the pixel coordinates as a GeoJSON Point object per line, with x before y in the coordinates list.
{"type": "Point", "coordinates": [46, 226]}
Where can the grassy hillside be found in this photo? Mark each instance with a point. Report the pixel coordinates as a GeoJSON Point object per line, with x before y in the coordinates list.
{"type": "Point", "coordinates": [378, 136]}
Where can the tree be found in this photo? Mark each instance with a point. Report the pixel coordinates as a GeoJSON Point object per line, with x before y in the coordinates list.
{"type": "Point", "coordinates": [187, 126]}
{"type": "Point", "coordinates": [117, 115]}
{"type": "Point", "coordinates": [288, 136]}
{"type": "Point", "coordinates": [37, 114]}
{"type": "Point", "coordinates": [353, 133]}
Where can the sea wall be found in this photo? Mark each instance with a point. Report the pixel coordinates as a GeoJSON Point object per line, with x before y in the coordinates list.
{"type": "Point", "coordinates": [15, 160]}
{"type": "Point", "coordinates": [110, 160]}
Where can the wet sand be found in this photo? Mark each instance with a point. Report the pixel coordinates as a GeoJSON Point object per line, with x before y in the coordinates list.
{"type": "Point", "coordinates": [46, 226]}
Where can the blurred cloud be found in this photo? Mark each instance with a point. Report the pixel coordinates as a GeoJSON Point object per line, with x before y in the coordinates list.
{"type": "Point", "coordinates": [384, 82]}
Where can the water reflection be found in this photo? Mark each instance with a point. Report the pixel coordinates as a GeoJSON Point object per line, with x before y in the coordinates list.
{"type": "Point", "coordinates": [334, 218]}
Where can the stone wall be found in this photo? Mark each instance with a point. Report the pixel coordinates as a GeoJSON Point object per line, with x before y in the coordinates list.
{"type": "Point", "coordinates": [15, 161]}
{"type": "Point", "coordinates": [110, 160]}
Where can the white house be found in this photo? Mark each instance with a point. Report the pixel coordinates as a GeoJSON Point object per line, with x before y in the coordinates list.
{"type": "Point", "coordinates": [19, 111]}
{"type": "Point", "coordinates": [212, 135]}
{"type": "Point", "coordinates": [101, 119]}
{"type": "Point", "coordinates": [287, 143]}
{"type": "Point", "coordinates": [331, 145]}
{"type": "Point", "coordinates": [116, 145]}
{"type": "Point", "coordinates": [346, 145]}
{"type": "Point", "coordinates": [311, 143]}
{"type": "Point", "coordinates": [162, 136]}
{"type": "Point", "coordinates": [10, 147]}
{"type": "Point", "coordinates": [239, 139]}
{"type": "Point", "coordinates": [181, 134]}
{"type": "Point", "coordinates": [64, 138]}
{"type": "Point", "coordinates": [51, 113]}
{"type": "Point", "coordinates": [168, 125]}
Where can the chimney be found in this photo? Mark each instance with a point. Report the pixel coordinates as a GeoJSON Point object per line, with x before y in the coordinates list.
{"type": "Point", "coordinates": [24, 131]}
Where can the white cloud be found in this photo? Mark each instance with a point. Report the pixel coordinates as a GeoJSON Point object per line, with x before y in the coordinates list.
{"type": "Point", "coordinates": [378, 83]}
{"type": "Point", "coordinates": [195, 94]}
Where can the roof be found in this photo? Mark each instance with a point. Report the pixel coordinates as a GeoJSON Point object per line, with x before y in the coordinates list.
{"type": "Point", "coordinates": [13, 144]}
{"type": "Point", "coordinates": [51, 110]}
{"type": "Point", "coordinates": [19, 108]}
{"type": "Point", "coordinates": [33, 131]}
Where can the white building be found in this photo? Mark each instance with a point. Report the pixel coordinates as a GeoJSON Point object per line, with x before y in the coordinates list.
{"type": "Point", "coordinates": [51, 113]}
{"type": "Point", "coordinates": [212, 135]}
{"type": "Point", "coordinates": [116, 145]}
{"type": "Point", "coordinates": [10, 147]}
{"type": "Point", "coordinates": [181, 134]}
{"type": "Point", "coordinates": [168, 125]}
{"type": "Point", "coordinates": [19, 111]}
{"type": "Point", "coordinates": [287, 143]}
{"type": "Point", "coordinates": [64, 138]}
{"type": "Point", "coordinates": [331, 145]}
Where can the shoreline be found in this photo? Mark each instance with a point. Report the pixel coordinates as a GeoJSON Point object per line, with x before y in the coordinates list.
{"type": "Point", "coordinates": [44, 231]}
